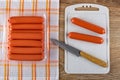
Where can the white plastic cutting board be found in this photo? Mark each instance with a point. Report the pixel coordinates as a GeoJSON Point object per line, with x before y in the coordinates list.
{"type": "Point", "coordinates": [79, 65]}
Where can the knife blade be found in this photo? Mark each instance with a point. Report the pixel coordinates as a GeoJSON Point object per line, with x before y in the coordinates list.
{"type": "Point", "coordinates": [78, 52]}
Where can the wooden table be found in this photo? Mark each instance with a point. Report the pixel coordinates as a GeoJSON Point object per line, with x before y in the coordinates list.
{"type": "Point", "coordinates": [114, 6]}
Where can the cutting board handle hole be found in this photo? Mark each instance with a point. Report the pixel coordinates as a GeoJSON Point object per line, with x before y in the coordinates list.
{"type": "Point", "coordinates": [86, 8]}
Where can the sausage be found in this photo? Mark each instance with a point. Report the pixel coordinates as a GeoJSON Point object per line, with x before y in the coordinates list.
{"type": "Point", "coordinates": [27, 26]}
{"type": "Point", "coordinates": [25, 57]}
{"type": "Point", "coordinates": [85, 37]}
{"type": "Point", "coordinates": [25, 50]}
{"type": "Point", "coordinates": [28, 36]}
{"type": "Point", "coordinates": [26, 31]}
{"type": "Point", "coordinates": [26, 43]}
{"type": "Point", "coordinates": [88, 25]}
{"type": "Point", "coordinates": [25, 19]}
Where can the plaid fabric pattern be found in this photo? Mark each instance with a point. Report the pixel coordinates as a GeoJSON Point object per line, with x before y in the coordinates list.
{"type": "Point", "coordinates": [41, 70]}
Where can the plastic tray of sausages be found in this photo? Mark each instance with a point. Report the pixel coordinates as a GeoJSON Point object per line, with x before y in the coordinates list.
{"type": "Point", "coordinates": [26, 37]}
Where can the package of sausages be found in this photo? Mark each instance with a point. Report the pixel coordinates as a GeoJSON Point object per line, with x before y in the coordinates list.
{"type": "Point", "coordinates": [26, 38]}
{"type": "Point", "coordinates": [87, 29]}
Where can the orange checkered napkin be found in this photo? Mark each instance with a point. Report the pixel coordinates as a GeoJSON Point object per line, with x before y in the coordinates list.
{"type": "Point", "coordinates": [41, 70]}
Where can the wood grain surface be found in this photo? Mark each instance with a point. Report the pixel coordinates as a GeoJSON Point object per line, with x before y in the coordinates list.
{"type": "Point", "coordinates": [114, 74]}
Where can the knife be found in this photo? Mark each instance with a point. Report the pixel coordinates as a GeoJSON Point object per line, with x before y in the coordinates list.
{"type": "Point", "coordinates": [80, 53]}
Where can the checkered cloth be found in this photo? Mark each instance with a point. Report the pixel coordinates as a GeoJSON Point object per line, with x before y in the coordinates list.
{"type": "Point", "coordinates": [40, 70]}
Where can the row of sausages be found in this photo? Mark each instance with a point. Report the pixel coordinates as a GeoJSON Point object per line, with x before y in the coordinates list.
{"type": "Point", "coordinates": [26, 38]}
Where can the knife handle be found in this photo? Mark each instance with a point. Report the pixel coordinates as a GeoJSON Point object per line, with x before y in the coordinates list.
{"type": "Point", "coordinates": [94, 59]}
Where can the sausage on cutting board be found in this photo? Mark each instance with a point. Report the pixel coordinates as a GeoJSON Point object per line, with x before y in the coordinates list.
{"type": "Point", "coordinates": [88, 25]}
{"type": "Point", "coordinates": [85, 37]}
